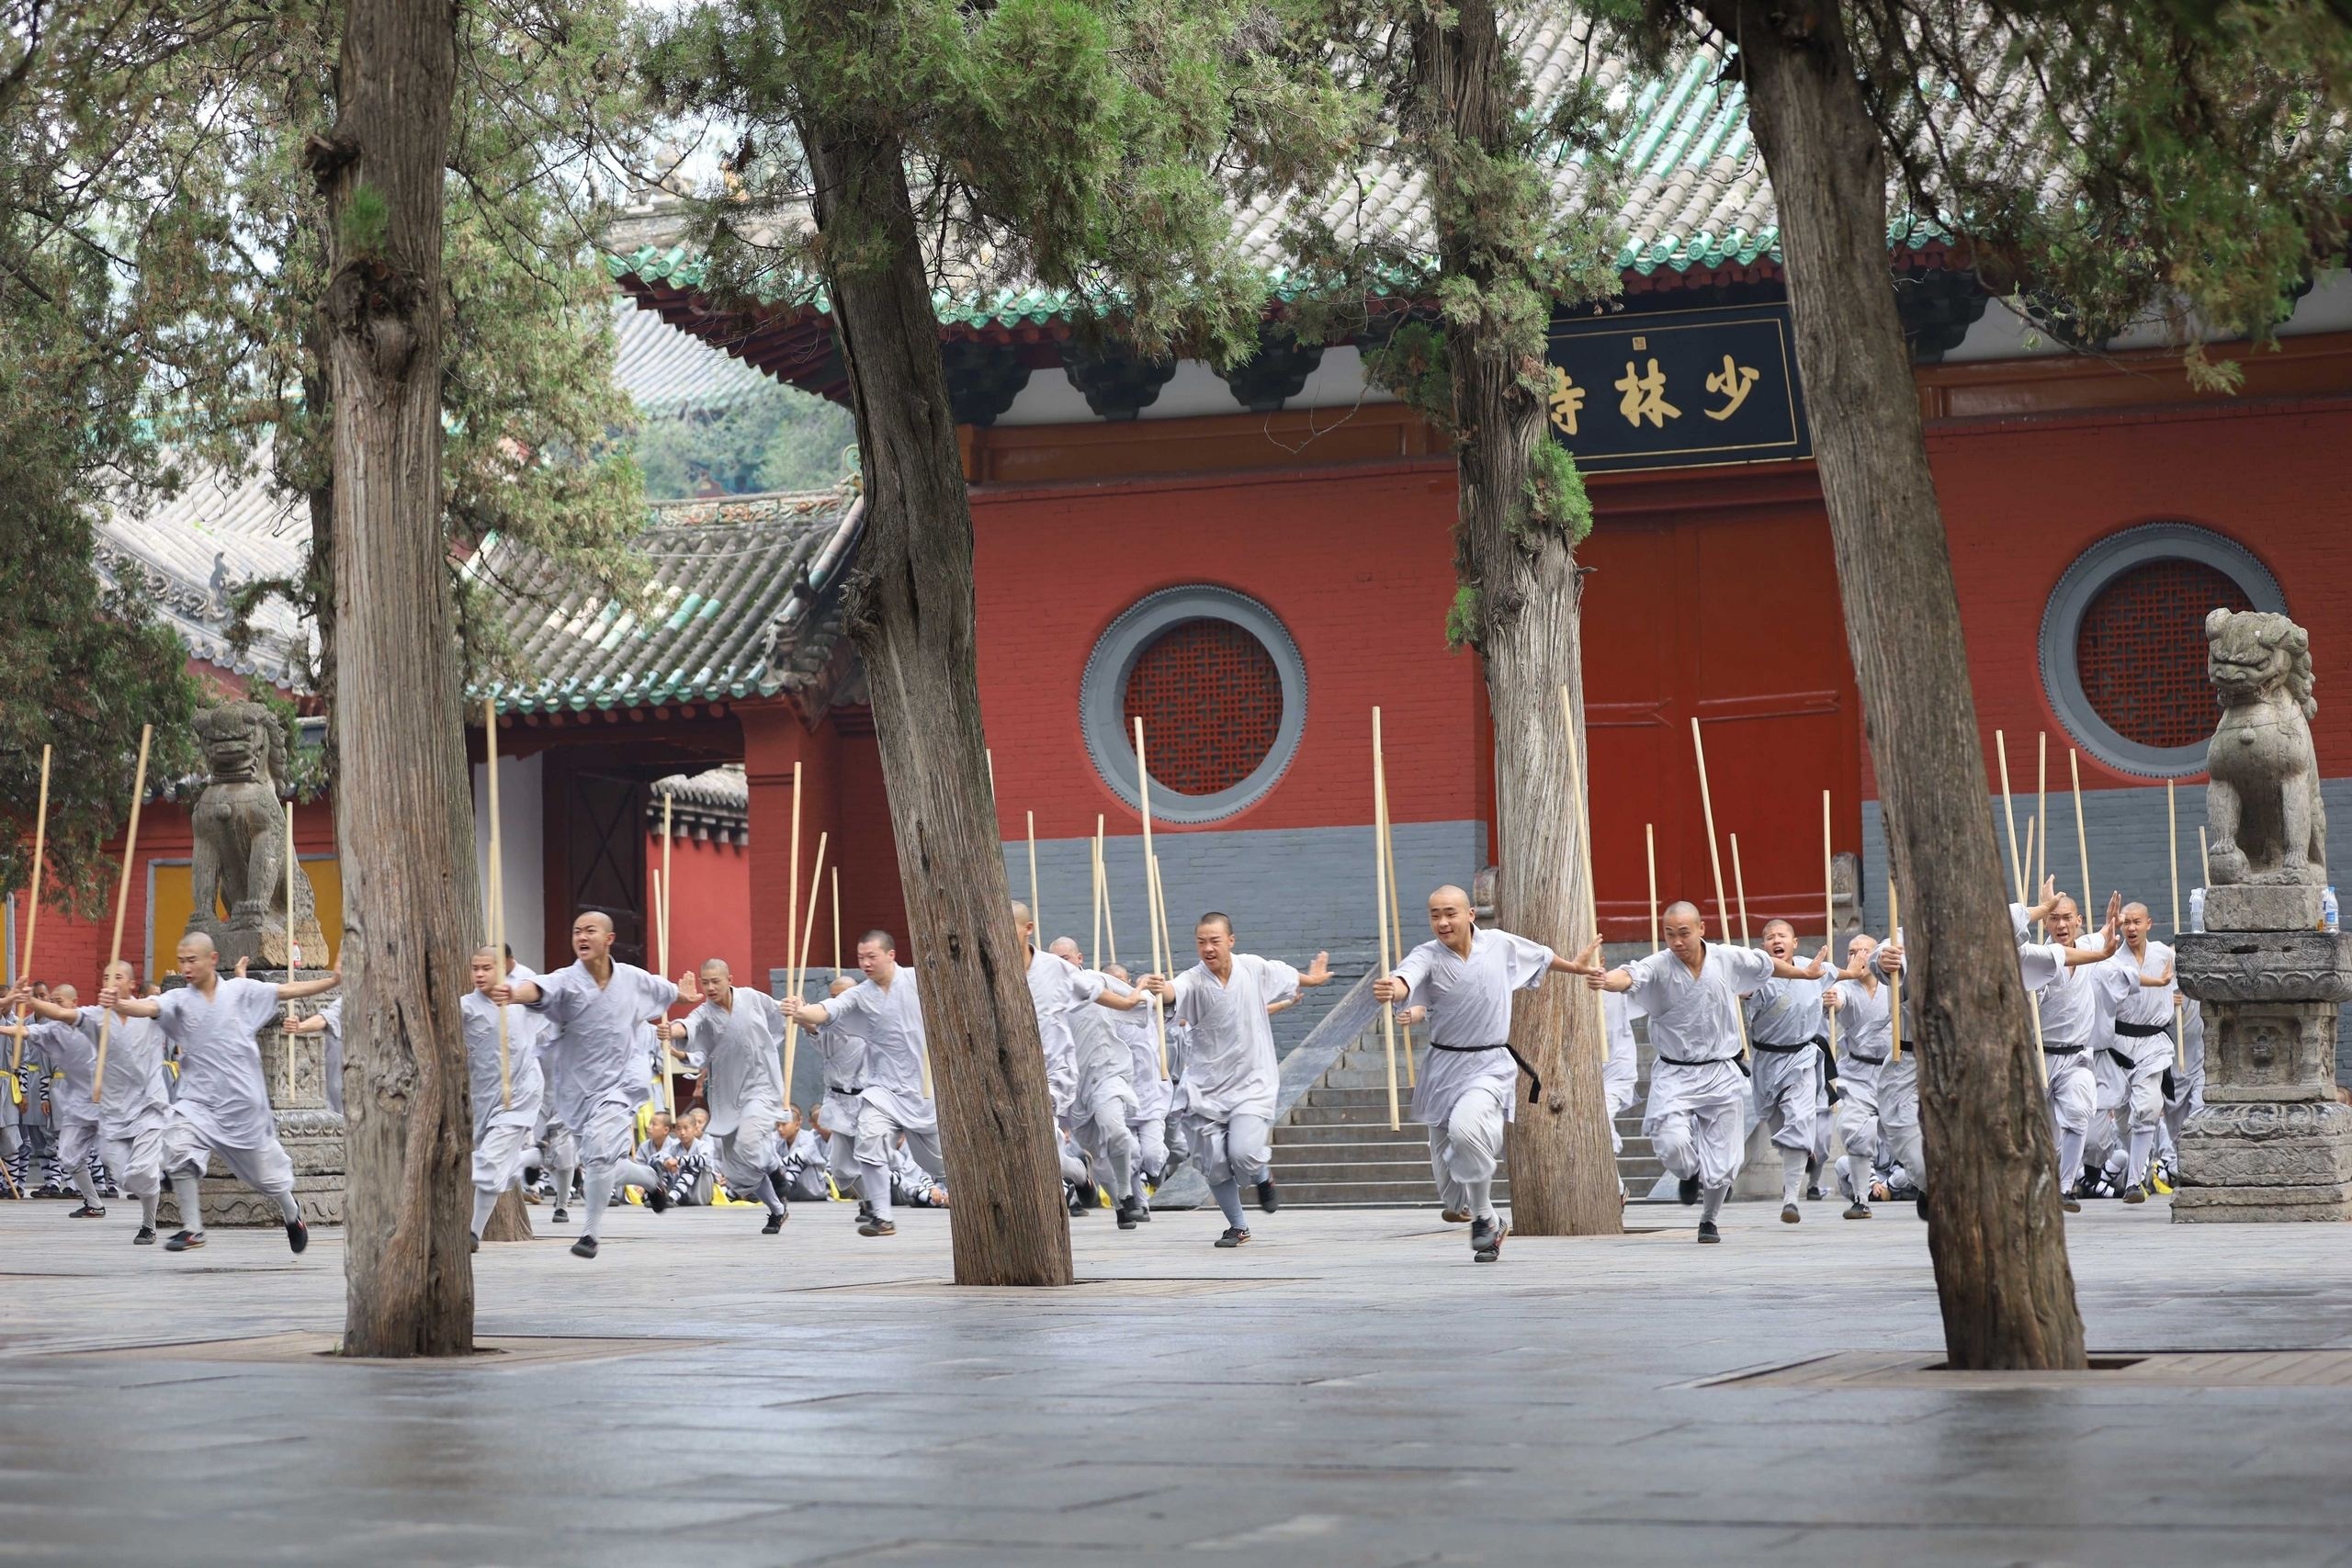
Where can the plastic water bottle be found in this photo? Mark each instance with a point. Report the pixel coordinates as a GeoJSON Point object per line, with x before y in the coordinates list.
{"type": "Point", "coordinates": [2196, 909]}
{"type": "Point", "coordinates": [2327, 911]}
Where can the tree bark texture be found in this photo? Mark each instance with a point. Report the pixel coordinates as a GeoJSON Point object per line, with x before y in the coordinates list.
{"type": "Point", "coordinates": [511, 1221]}
{"type": "Point", "coordinates": [1562, 1172]}
{"type": "Point", "coordinates": [913, 615]}
{"type": "Point", "coordinates": [1996, 1234]}
{"type": "Point", "coordinates": [404, 810]}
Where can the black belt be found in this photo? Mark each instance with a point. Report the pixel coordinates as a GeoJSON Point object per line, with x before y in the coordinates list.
{"type": "Point", "coordinates": [2120, 1058]}
{"type": "Point", "coordinates": [1707, 1062]}
{"type": "Point", "coordinates": [1867, 1061]}
{"type": "Point", "coordinates": [1817, 1043]}
{"type": "Point", "coordinates": [2142, 1031]}
{"type": "Point", "coordinates": [1534, 1078]}
{"type": "Point", "coordinates": [2063, 1050]}
{"type": "Point", "coordinates": [836, 1088]}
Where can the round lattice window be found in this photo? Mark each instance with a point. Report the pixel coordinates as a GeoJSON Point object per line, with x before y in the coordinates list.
{"type": "Point", "coordinates": [1220, 689]}
{"type": "Point", "coordinates": [2123, 642]}
{"type": "Point", "coordinates": [2141, 650]}
{"type": "Point", "coordinates": [1211, 701]}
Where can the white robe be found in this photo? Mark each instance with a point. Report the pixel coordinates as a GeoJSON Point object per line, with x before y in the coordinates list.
{"type": "Point", "coordinates": [741, 1076]}
{"type": "Point", "coordinates": [222, 1095]}
{"type": "Point", "coordinates": [1230, 1068]}
{"type": "Point", "coordinates": [1469, 1007]}
{"type": "Point", "coordinates": [891, 1024]}
{"type": "Point", "coordinates": [595, 1050]}
{"type": "Point", "coordinates": [1058, 987]}
{"type": "Point", "coordinates": [137, 1092]}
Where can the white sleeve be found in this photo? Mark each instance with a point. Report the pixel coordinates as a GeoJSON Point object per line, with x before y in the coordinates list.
{"type": "Point", "coordinates": [1526, 962]}
{"type": "Point", "coordinates": [2040, 964]}
{"type": "Point", "coordinates": [1748, 966]}
{"type": "Point", "coordinates": [1280, 982]}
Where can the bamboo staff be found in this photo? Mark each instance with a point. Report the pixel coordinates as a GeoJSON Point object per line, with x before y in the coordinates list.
{"type": "Point", "coordinates": [2082, 839]}
{"type": "Point", "coordinates": [1109, 916]}
{"type": "Point", "coordinates": [662, 893]}
{"type": "Point", "coordinates": [2009, 810]}
{"type": "Point", "coordinates": [1395, 912]}
{"type": "Point", "coordinates": [1829, 912]}
{"type": "Point", "coordinates": [1715, 857]}
{"type": "Point", "coordinates": [123, 906]}
{"type": "Point", "coordinates": [2040, 869]}
{"type": "Point", "coordinates": [1739, 890]}
{"type": "Point", "coordinates": [32, 910]}
{"type": "Point", "coordinates": [1151, 892]}
{"type": "Point", "coordinates": [1380, 921]}
{"type": "Point", "coordinates": [1895, 1008]}
{"type": "Point", "coordinates": [1036, 910]}
{"type": "Point", "coordinates": [792, 924]}
{"type": "Point", "coordinates": [293, 947]}
{"type": "Point", "coordinates": [837, 922]}
{"type": "Point", "coordinates": [1094, 859]}
{"type": "Point", "coordinates": [1167, 947]}
{"type": "Point", "coordinates": [2204, 866]}
{"type": "Point", "coordinates": [1649, 838]}
{"type": "Point", "coordinates": [2172, 868]}
{"type": "Point", "coordinates": [497, 896]}
{"type": "Point", "coordinates": [2033, 998]}
{"type": "Point", "coordinates": [1581, 805]}
{"type": "Point", "coordinates": [799, 965]}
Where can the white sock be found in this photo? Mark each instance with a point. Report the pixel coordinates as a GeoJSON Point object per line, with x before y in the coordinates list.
{"type": "Point", "coordinates": [2144, 1143]}
{"type": "Point", "coordinates": [484, 1201]}
{"type": "Point", "coordinates": [600, 1194]}
{"type": "Point", "coordinates": [184, 1188]}
{"type": "Point", "coordinates": [1480, 1196]}
{"type": "Point", "coordinates": [1793, 1164]}
{"type": "Point", "coordinates": [1712, 1203]}
{"type": "Point", "coordinates": [2070, 1160]}
{"type": "Point", "coordinates": [286, 1204]}
{"type": "Point", "coordinates": [1852, 1178]}
{"type": "Point", "coordinates": [563, 1175]}
{"type": "Point", "coordinates": [874, 1186]}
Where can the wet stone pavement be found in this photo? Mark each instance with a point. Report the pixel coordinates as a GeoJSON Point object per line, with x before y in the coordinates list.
{"type": "Point", "coordinates": [1349, 1390]}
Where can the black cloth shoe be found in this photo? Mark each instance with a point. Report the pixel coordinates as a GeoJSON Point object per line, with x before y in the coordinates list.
{"type": "Point", "coordinates": [584, 1248]}
{"type": "Point", "coordinates": [1858, 1210]}
{"type": "Point", "coordinates": [872, 1226]}
{"type": "Point", "coordinates": [88, 1211]}
{"type": "Point", "coordinates": [1234, 1235]}
{"type": "Point", "coordinates": [1078, 1203]}
{"type": "Point", "coordinates": [1812, 1180]}
{"type": "Point", "coordinates": [1688, 1191]}
{"type": "Point", "coordinates": [146, 1237]}
{"type": "Point", "coordinates": [774, 1226]}
{"type": "Point", "coordinates": [1126, 1213]}
{"type": "Point", "coordinates": [297, 1234]}
{"type": "Point", "coordinates": [473, 1243]}
{"type": "Point", "coordinates": [656, 1200]}
{"type": "Point", "coordinates": [2071, 1204]}
{"type": "Point", "coordinates": [561, 1216]}
{"type": "Point", "coordinates": [1707, 1232]}
{"type": "Point", "coordinates": [1791, 1214]}
{"type": "Point", "coordinates": [1143, 1212]}
{"type": "Point", "coordinates": [1454, 1216]}
{"type": "Point", "coordinates": [2135, 1193]}
{"type": "Point", "coordinates": [185, 1241]}
{"type": "Point", "coordinates": [1268, 1199]}
{"type": "Point", "coordinates": [1486, 1240]}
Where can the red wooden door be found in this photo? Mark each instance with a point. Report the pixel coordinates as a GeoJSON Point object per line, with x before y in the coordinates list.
{"type": "Point", "coordinates": [1732, 615]}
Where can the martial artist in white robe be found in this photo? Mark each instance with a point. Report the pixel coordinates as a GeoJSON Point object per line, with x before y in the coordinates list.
{"type": "Point", "coordinates": [884, 1009]}
{"type": "Point", "coordinates": [1154, 1095]}
{"type": "Point", "coordinates": [841, 1057]}
{"type": "Point", "coordinates": [223, 1104]}
{"type": "Point", "coordinates": [1865, 1038]}
{"type": "Point", "coordinates": [72, 1057]}
{"type": "Point", "coordinates": [1468, 1083]}
{"type": "Point", "coordinates": [1232, 1078]}
{"type": "Point", "coordinates": [597, 1068]}
{"type": "Point", "coordinates": [1057, 988]}
{"type": "Point", "coordinates": [1106, 1102]}
{"type": "Point", "coordinates": [1786, 1033]}
{"type": "Point", "coordinates": [2070, 1027]}
{"type": "Point", "coordinates": [2144, 1021]}
{"type": "Point", "coordinates": [133, 1103]}
{"type": "Point", "coordinates": [736, 1033]}
{"type": "Point", "coordinates": [503, 1115]}
{"type": "Point", "coordinates": [1620, 1073]}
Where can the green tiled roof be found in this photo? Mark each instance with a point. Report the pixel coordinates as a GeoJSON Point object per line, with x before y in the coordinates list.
{"type": "Point", "coordinates": [1696, 197]}
{"type": "Point", "coordinates": [734, 611]}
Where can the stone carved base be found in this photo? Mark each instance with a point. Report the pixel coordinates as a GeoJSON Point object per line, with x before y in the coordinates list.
{"type": "Point", "coordinates": [2272, 1144]}
{"type": "Point", "coordinates": [312, 1134]}
{"type": "Point", "coordinates": [2257, 906]}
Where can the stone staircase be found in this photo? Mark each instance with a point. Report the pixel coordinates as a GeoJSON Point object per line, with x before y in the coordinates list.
{"type": "Point", "coordinates": [1335, 1149]}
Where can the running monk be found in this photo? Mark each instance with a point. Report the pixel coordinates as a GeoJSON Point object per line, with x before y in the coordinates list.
{"type": "Point", "coordinates": [1691, 993]}
{"type": "Point", "coordinates": [136, 1097]}
{"type": "Point", "coordinates": [886, 1009]}
{"type": "Point", "coordinates": [1786, 1028]}
{"type": "Point", "coordinates": [223, 1104]}
{"type": "Point", "coordinates": [63, 1050]}
{"type": "Point", "coordinates": [2142, 975]}
{"type": "Point", "coordinates": [2069, 1010]}
{"type": "Point", "coordinates": [596, 1012]}
{"type": "Point", "coordinates": [1057, 989]}
{"type": "Point", "coordinates": [1231, 1077]}
{"type": "Point", "coordinates": [1863, 1002]}
{"type": "Point", "coordinates": [502, 1118]}
{"type": "Point", "coordinates": [1106, 1099]}
{"type": "Point", "coordinates": [736, 1033]}
{"type": "Point", "coordinates": [1464, 977]}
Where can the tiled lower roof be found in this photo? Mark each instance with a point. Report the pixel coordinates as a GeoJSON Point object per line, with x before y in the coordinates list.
{"type": "Point", "coordinates": [744, 602]}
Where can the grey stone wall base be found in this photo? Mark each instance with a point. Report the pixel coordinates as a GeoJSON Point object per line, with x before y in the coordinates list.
{"type": "Point", "coordinates": [2262, 906]}
{"type": "Point", "coordinates": [2275, 965]}
{"type": "Point", "coordinates": [2261, 1205]}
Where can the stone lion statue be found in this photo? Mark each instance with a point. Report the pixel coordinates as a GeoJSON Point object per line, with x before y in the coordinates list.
{"type": "Point", "coordinates": [238, 877]}
{"type": "Point", "coordinates": [2264, 801]}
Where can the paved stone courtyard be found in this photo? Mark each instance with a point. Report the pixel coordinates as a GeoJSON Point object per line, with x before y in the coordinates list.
{"type": "Point", "coordinates": [1350, 1389]}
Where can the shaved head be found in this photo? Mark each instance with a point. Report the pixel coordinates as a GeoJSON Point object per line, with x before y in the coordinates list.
{"type": "Point", "coordinates": [1020, 916]}
{"type": "Point", "coordinates": [1452, 895]}
{"type": "Point", "coordinates": [717, 966]}
{"type": "Point", "coordinates": [1681, 909]}
{"type": "Point", "coordinates": [1065, 948]}
{"type": "Point", "coordinates": [196, 942]}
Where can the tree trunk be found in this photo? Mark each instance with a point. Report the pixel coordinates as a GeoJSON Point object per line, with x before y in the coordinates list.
{"type": "Point", "coordinates": [1996, 1235]}
{"type": "Point", "coordinates": [911, 612]}
{"type": "Point", "coordinates": [404, 810]}
{"type": "Point", "coordinates": [511, 1221]}
{"type": "Point", "coordinates": [1522, 569]}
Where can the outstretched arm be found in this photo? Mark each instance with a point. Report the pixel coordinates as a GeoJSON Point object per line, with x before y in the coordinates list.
{"type": "Point", "coordinates": [1813, 971]}
{"type": "Point", "coordinates": [1586, 963]}
{"type": "Point", "coordinates": [1610, 980]}
{"type": "Point", "coordinates": [1318, 973]}
{"type": "Point", "coordinates": [130, 1006]}
{"type": "Point", "coordinates": [1117, 1002]}
{"type": "Point", "coordinates": [809, 1015]}
{"type": "Point", "coordinates": [41, 1007]}
{"type": "Point", "coordinates": [295, 990]}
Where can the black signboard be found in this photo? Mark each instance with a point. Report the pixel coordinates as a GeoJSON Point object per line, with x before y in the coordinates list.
{"type": "Point", "coordinates": [1676, 389]}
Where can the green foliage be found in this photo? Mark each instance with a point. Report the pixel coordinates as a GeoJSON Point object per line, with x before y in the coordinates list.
{"type": "Point", "coordinates": [1461, 618]}
{"type": "Point", "coordinates": [1556, 499]}
{"type": "Point", "coordinates": [365, 222]}
{"type": "Point", "coordinates": [1411, 363]}
{"type": "Point", "coordinates": [773, 438]}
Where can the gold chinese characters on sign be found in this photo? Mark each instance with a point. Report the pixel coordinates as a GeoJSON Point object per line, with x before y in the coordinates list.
{"type": "Point", "coordinates": [1734, 365]}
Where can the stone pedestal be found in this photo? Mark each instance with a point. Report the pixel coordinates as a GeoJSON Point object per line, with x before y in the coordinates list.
{"type": "Point", "coordinates": [2263, 906]}
{"type": "Point", "coordinates": [2272, 1142]}
{"type": "Point", "coordinates": [294, 1066]}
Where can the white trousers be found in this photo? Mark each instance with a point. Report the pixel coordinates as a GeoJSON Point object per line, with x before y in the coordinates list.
{"type": "Point", "coordinates": [1696, 1122]}
{"type": "Point", "coordinates": [264, 1168]}
{"type": "Point", "coordinates": [137, 1161]}
{"type": "Point", "coordinates": [1239, 1149]}
{"type": "Point", "coordinates": [1464, 1151]}
{"type": "Point", "coordinates": [1788, 1088]}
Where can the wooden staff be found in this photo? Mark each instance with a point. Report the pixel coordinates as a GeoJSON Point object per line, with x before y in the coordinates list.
{"type": "Point", "coordinates": [1094, 859]}
{"type": "Point", "coordinates": [2082, 839]}
{"type": "Point", "coordinates": [2034, 997]}
{"type": "Point", "coordinates": [1829, 912]}
{"type": "Point", "coordinates": [799, 965]}
{"type": "Point", "coordinates": [1739, 890]}
{"type": "Point", "coordinates": [1380, 921]}
{"type": "Point", "coordinates": [293, 948]}
{"type": "Point", "coordinates": [1386, 827]}
{"type": "Point", "coordinates": [1109, 917]}
{"type": "Point", "coordinates": [662, 891]}
{"type": "Point", "coordinates": [1715, 858]}
{"type": "Point", "coordinates": [1151, 892]}
{"type": "Point", "coordinates": [498, 897]}
{"type": "Point", "coordinates": [2009, 810]}
{"type": "Point", "coordinates": [123, 906]}
{"type": "Point", "coordinates": [1895, 1008]}
{"type": "Point", "coordinates": [792, 924]}
{"type": "Point", "coordinates": [1579, 787]}
{"type": "Point", "coordinates": [1036, 910]}
{"type": "Point", "coordinates": [32, 910]}
{"type": "Point", "coordinates": [2040, 869]}
{"type": "Point", "coordinates": [2172, 851]}
{"type": "Point", "coordinates": [1649, 840]}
